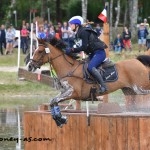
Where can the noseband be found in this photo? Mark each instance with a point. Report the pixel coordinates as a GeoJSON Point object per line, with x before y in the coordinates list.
{"type": "Point", "coordinates": [39, 62]}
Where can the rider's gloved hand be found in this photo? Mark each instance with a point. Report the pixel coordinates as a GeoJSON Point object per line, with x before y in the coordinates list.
{"type": "Point", "coordinates": [68, 51]}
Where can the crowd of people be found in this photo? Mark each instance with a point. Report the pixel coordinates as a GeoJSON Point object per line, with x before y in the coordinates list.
{"type": "Point", "coordinates": [123, 41]}
{"type": "Point", "coordinates": [64, 32]}
{"type": "Point", "coordinates": [8, 41]}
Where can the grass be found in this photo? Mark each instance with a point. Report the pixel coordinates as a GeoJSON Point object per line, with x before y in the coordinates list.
{"type": "Point", "coordinates": [9, 85]}
{"type": "Point", "coordinates": [22, 93]}
{"type": "Point", "coordinates": [11, 60]}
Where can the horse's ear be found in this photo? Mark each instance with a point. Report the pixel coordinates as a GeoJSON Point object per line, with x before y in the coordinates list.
{"type": "Point", "coordinates": [42, 41]}
{"type": "Point", "coordinates": [39, 40]}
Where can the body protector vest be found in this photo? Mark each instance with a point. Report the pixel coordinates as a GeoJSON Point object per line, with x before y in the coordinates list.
{"type": "Point", "coordinates": [94, 42]}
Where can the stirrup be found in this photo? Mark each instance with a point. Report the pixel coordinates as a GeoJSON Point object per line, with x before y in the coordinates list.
{"type": "Point", "coordinates": [102, 90]}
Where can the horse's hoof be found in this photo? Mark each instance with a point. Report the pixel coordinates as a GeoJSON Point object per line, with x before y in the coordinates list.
{"type": "Point", "coordinates": [63, 120]}
{"type": "Point", "coordinates": [60, 126]}
{"type": "Point", "coordinates": [58, 123]}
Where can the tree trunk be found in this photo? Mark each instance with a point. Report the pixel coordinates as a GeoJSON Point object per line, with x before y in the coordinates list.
{"type": "Point", "coordinates": [133, 13]}
{"type": "Point", "coordinates": [84, 9]}
{"type": "Point", "coordinates": [43, 8]}
{"type": "Point", "coordinates": [125, 15]}
{"type": "Point", "coordinates": [118, 14]}
{"type": "Point", "coordinates": [110, 19]}
{"type": "Point", "coordinates": [58, 12]}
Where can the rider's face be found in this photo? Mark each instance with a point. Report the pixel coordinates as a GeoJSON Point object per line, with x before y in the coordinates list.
{"type": "Point", "coordinates": [72, 26]}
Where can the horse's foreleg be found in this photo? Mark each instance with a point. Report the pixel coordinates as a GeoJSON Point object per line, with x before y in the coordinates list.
{"type": "Point", "coordinates": [55, 109]}
{"type": "Point", "coordinates": [57, 116]}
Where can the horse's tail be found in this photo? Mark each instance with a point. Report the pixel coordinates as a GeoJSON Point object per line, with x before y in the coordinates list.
{"type": "Point", "coordinates": [144, 59]}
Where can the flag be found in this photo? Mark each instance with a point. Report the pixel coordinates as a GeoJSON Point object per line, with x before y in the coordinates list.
{"type": "Point", "coordinates": [103, 15]}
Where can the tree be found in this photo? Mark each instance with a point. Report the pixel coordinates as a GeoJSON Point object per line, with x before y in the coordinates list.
{"type": "Point", "coordinates": [84, 9]}
{"type": "Point", "coordinates": [125, 14]}
{"type": "Point", "coordinates": [118, 14]}
{"type": "Point", "coordinates": [133, 13]}
{"type": "Point", "coordinates": [110, 19]}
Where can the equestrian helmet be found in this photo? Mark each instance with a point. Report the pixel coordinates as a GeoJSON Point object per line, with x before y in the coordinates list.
{"type": "Point", "coordinates": [76, 20]}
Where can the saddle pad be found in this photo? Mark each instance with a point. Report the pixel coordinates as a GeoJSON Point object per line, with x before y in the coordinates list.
{"type": "Point", "coordinates": [109, 74]}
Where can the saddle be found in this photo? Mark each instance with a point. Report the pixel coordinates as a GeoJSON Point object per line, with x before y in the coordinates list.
{"type": "Point", "coordinates": [107, 70]}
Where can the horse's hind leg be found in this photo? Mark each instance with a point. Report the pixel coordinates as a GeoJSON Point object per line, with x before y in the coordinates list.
{"type": "Point", "coordinates": [130, 97]}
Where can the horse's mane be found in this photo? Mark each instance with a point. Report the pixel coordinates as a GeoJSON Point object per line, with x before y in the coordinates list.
{"type": "Point", "coordinates": [58, 43]}
{"type": "Point", "coordinates": [144, 59]}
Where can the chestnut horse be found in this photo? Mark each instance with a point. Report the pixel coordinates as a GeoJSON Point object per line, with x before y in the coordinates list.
{"type": "Point", "coordinates": [133, 74]}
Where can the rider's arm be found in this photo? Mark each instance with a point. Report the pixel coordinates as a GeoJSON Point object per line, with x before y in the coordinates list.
{"type": "Point", "coordinates": [85, 39]}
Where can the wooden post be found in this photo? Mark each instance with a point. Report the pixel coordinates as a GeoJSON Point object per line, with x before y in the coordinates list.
{"type": "Point", "coordinates": [107, 41]}
{"type": "Point", "coordinates": [106, 37]}
{"type": "Point", "coordinates": [78, 105]}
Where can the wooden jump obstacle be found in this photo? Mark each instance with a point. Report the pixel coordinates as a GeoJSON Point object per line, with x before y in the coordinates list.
{"type": "Point", "coordinates": [117, 131]}
{"type": "Point", "coordinates": [36, 77]}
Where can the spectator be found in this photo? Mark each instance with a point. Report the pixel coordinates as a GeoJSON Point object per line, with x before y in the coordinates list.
{"type": "Point", "coordinates": [142, 34]}
{"type": "Point", "coordinates": [146, 23]}
{"type": "Point", "coordinates": [118, 44]}
{"type": "Point", "coordinates": [13, 29]}
{"type": "Point", "coordinates": [58, 29]}
{"type": "Point", "coordinates": [34, 39]}
{"type": "Point", "coordinates": [50, 24]}
{"type": "Point", "coordinates": [148, 38]}
{"type": "Point", "coordinates": [24, 39]}
{"type": "Point", "coordinates": [88, 24]}
{"type": "Point", "coordinates": [41, 33]}
{"type": "Point", "coordinates": [51, 32]}
{"type": "Point", "coordinates": [9, 41]}
{"type": "Point", "coordinates": [126, 35]}
{"type": "Point", "coordinates": [45, 24]}
{"type": "Point", "coordinates": [28, 27]}
{"type": "Point", "coordinates": [2, 38]}
{"type": "Point", "coordinates": [65, 33]}
{"type": "Point", "coordinates": [98, 29]}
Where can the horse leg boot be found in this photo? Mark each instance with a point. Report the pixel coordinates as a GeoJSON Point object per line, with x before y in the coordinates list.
{"type": "Point", "coordinates": [55, 118]}
{"type": "Point", "coordinates": [56, 114]}
{"type": "Point", "coordinates": [99, 79]}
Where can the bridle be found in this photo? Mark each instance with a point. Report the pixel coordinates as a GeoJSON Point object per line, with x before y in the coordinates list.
{"type": "Point", "coordinates": [39, 62]}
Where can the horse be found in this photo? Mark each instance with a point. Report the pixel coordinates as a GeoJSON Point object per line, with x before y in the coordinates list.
{"type": "Point", "coordinates": [133, 75]}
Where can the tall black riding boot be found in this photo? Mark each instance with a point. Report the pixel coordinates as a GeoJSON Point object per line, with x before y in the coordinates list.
{"type": "Point", "coordinates": [99, 79]}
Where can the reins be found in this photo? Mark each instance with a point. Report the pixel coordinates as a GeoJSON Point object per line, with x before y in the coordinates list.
{"type": "Point", "coordinates": [69, 74]}
{"type": "Point", "coordinates": [56, 56]}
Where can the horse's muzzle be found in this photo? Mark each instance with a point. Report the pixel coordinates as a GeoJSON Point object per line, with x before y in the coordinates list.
{"type": "Point", "coordinates": [32, 67]}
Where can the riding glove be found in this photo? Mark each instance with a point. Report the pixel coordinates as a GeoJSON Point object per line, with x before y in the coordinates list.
{"type": "Point", "coordinates": [69, 50]}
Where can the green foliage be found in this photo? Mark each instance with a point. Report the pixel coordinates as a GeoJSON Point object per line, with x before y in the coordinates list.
{"type": "Point", "coordinates": [68, 8]}
{"type": "Point", "coordinates": [4, 8]}
{"type": "Point", "coordinates": [74, 8]}
{"type": "Point", "coordinates": [94, 9]}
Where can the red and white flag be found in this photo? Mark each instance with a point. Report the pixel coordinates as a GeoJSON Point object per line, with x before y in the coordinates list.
{"type": "Point", "coordinates": [103, 15]}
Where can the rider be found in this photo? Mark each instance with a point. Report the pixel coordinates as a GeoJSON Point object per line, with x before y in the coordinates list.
{"type": "Point", "coordinates": [87, 41]}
